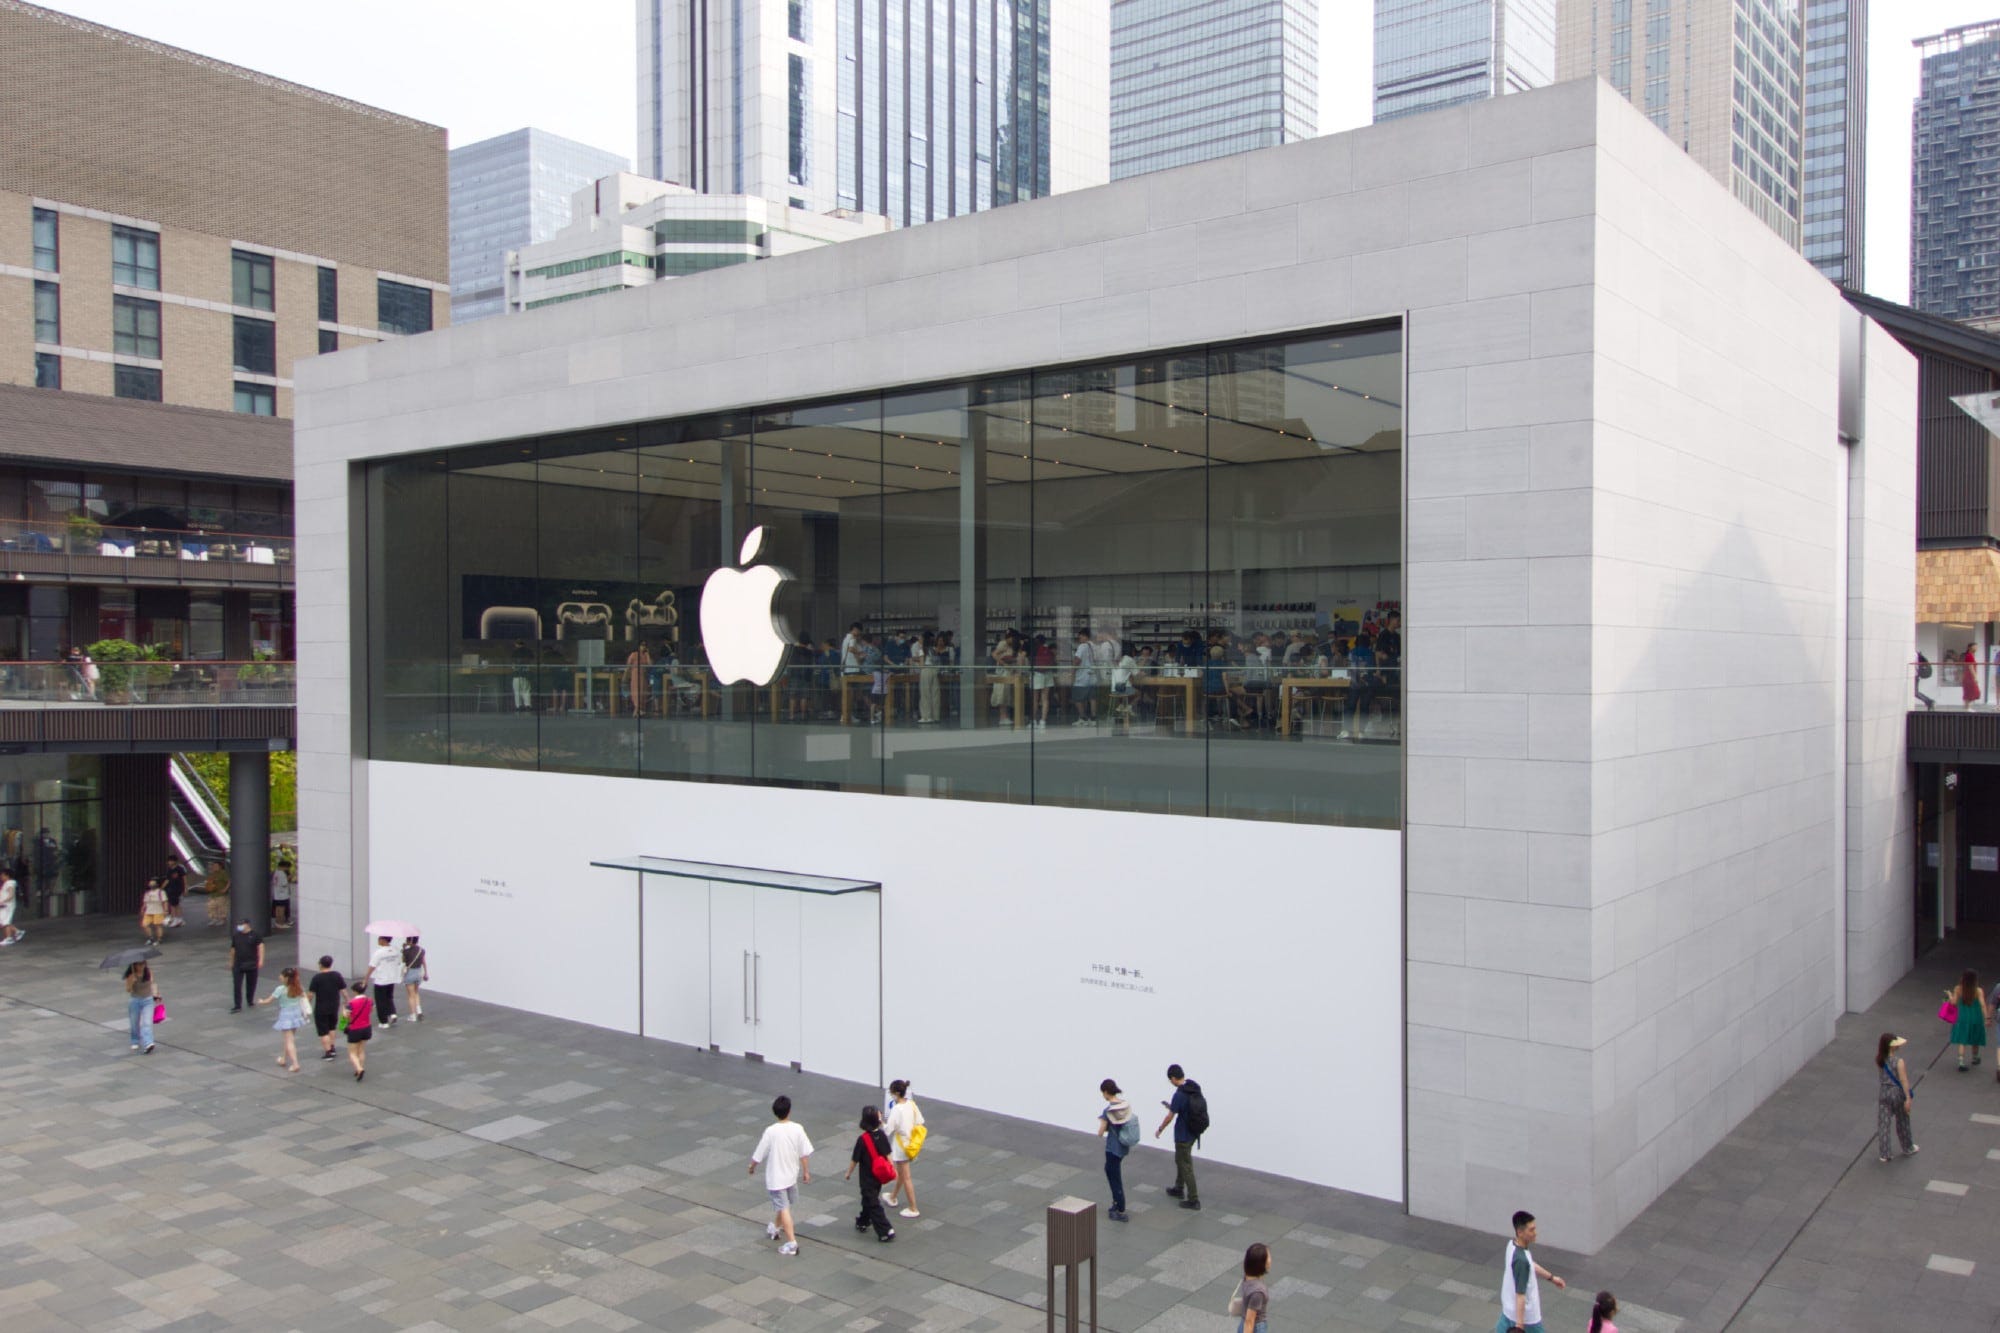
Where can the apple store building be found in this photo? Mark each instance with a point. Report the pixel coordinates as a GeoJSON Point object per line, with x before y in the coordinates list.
{"type": "Point", "coordinates": [1212, 618]}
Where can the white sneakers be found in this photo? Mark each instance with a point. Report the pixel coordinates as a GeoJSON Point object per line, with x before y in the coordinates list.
{"type": "Point", "coordinates": [770, 1231]}
{"type": "Point", "coordinates": [911, 1212]}
{"type": "Point", "coordinates": [789, 1247]}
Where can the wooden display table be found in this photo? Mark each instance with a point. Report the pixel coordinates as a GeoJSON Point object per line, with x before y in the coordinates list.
{"type": "Point", "coordinates": [1293, 684]}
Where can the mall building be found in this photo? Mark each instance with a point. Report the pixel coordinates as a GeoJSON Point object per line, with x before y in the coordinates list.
{"type": "Point", "coordinates": [1523, 903]}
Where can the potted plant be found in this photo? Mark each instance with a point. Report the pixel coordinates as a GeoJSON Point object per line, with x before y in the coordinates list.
{"type": "Point", "coordinates": [114, 658]}
{"type": "Point", "coordinates": [85, 533]}
{"type": "Point", "coordinates": [258, 671]}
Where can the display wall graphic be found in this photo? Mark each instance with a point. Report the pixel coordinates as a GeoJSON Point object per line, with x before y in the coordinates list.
{"type": "Point", "coordinates": [1001, 986]}
{"type": "Point", "coordinates": [505, 608]}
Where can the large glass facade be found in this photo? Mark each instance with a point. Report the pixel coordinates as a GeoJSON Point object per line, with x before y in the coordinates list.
{"type": "Point", "coordinates": [51, 809]}
{"type": "Point", "coordinates": [1165, 583]}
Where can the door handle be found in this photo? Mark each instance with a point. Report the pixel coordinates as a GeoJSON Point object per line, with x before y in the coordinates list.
{"type": "Point", "coordinates": [746, 985]}
{"type": "Point", "coordinates": [758, 989]}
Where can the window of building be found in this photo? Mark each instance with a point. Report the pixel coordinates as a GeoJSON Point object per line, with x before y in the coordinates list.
{"type": "Point", "coordinates": [1195, 554]}
{"type": "Point", "coordinates": [136, 382]}
{"type": "Point", "coordinates": [48, 370]}
{"type": "Point", "coordinates": [135, 327]}
{"type": "Point", "coordinates": [135, 258]}
{"type": "Point", "coordinates": [798, 20]}
{"type": "Point", "coordinates": [47, 256]}
{"type": "Point", "coordinates": [256, 345]}
{"type": "Point", "coordinates": [329, 341]}
{"type": "Point", "coordinates": [329, 295]}
{"type": "Point", "coordinates": [250, 280]}
{"type": "Point", "coordinates": [258, 400]}
{"type": "Point", "coordinates": [401, 307]}
{"type": "Point", "coordinates": [48, 313]}
{"type": "Point", "coordinates": [799, 97]}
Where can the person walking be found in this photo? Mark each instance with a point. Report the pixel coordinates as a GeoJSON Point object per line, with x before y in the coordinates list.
{"type": "Point", "coordinates": [176, 883]}
{"type": "Point", "coordinates": [281, 898]}
{"type": "Point", "coordinates": [360, 1027]}
{"type": "Point", "coordinates": [785, 1153]}
{"type": "Point", "coordinates": [290, 997]}
{"type": "Point", "coordinates": [141, 994]}
{"type": "Point", "coordinates": [1601, 1311]}
{"type": "Point", "coordinates": [906, 1141]}
{"type": "Point", "coordinates": [1521, 1281]}
{"type": "Point", "coordinates": [1894, 1096]}
{"type": "Point", "coordinates": [1253, 1298]}
{"type": "Point", "coordinates": [328, 990]}
{"type": "Point", "coordinates": [1187, 1112]}
{"type": "Point", "coordinates": [1968, 1030]}
{"type": "Point", "coordinates": [416, 971]}
{"type": "Point", "coordinates": [1112, 1122]}
{"type": "Point", "coordinates": [246, 956]}
{"type": "Point", "coordinates": [9, 894]}
{"type": "Point", "coordinates": [1968, 676]}
{"type": "Point", "coordinates": [385, 970]}
{"type": "Point", "coordinates": [871, 1154]}
{"type": "Point", "coordinates": [153, 912]}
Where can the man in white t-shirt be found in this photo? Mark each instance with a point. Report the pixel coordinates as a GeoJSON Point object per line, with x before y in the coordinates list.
{"type": "Point", "coordinates": [785, 1153]}
{"type": "Point", "coordinates": [8, 893]}
{"type": "Point", "coordinates": [1520, 1288]}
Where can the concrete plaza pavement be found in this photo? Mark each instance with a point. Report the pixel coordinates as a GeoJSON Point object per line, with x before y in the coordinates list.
{"type": "Point", "coordinates": [502, 1170]}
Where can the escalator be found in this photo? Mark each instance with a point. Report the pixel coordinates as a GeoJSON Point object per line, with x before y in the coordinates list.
{"type": "Point", "coordinates": [197, 827]}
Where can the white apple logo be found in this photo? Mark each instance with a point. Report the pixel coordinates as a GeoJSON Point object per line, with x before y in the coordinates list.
{"type": "Point", "coordinates": [740, 631]}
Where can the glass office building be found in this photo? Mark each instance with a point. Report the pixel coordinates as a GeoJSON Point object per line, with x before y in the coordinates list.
{"type": "Point", "coordinates": [1836, 130]}
{"type": "Point", "coordinates": [1954, 208]}
{"type": "Point", "coordinates": [1168, 584]}
{"type": "Point", "coordinates": [1196, 79]}
{"type": "Point", "coordinates": [1438, 53]}
{"type": "Point", "coordinates": [506, 192]}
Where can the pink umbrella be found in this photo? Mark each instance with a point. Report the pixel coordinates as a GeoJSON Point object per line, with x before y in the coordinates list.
{"type": "Point", "coordinates": [395, 930]}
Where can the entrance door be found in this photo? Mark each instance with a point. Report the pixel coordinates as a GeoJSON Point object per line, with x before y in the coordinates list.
{"type": "Point", "coordinates": [732, 946]}
{"type": "Point", "coordinates": [776, 995]}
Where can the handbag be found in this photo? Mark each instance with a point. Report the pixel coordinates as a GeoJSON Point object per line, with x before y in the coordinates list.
{"type": "Point", "coordinates": [159, 1011]}
{"type": "Point", "coordinates": [1236, 1301]}
{"type": "Point", "coordinates": [878, 1165]}
{"type": "Point", "coordinates": [1128, 1133]}
{"type": "Point", "coordinates": [1948, 1012]}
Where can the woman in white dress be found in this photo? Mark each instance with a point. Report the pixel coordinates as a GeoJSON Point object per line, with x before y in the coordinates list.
{"type": "Point", "coordinates": [904, 1118]}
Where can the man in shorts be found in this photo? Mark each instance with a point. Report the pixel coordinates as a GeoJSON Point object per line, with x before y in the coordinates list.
{"type": "Point", "coordinates": [786, 1156]}
{"type": "Point", "coordinates": [9, 893]}
{"type": "Point", "coordinates": [328, 990]}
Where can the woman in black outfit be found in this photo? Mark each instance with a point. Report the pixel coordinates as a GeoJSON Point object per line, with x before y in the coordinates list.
{"type": "Point", "coordinates": [870, 1146]}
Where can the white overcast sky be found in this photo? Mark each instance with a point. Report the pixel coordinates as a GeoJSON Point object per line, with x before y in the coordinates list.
{"type": "Point", "coordinates": [483, 67]}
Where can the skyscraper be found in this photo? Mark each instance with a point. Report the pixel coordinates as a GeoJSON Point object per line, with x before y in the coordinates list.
{"type": "Point", "coordinates": [506, 192]}
{"type": "Point", "coordinates": [1195, 79]}
{"type": "Point", "coordinates": [1433, 53]}
{"type": "Point", "coordinates": [914, 109]}
{"type": "Point", "coordinates": [1954, 169]}
{"type": "Point", "coordinates": [1723, 78]}
{"type": "Point", "coordinates": [1836, 126]}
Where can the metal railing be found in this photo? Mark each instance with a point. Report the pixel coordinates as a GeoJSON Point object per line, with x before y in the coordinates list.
{"type": "Point", "coordinates": [158, 684]}
{"type": "Point", "coordinates": [82, 539]}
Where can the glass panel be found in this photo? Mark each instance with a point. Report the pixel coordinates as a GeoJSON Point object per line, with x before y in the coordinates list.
{"type": "Point", "coordinates": [135, 258]}
{"type": "Point", "coordinates": [1305, 550]}
{"type": "Point", "coordinates": [48, 370]}
{"type": "Point", "coordinates": [329, 341]}
{"type": "Point", "coordinates": [408, 615]}
{"type": "Point", "coordinates": [587, 525]}
{"type": "Point", "coordinates": [329, 295]}
{"type": "Point", "coordinates": [204, 641]}
{"type": "Point", "coordinates": [250, 280]}
{"type": "Point", "coordinates": [816, 489]}
{"type": "Point", "coordinates": [136, 382]}
{"type": "Point", "coordinates": [259, 400]}
{"type": "Point", "coordinates": [1119, 555]}
{"type": "Point", "coordinates": [684, 470]}
{"type": "Point", "coordinates": [48, 313]}
{"type": "Point", "coordinates": [47, 255]}
{"type": "Point", "coordinates": [135, 327]}
{"type": "Point", "coordinates": [401, 308]}
{"type": "Point", "coordinates": [499, 625]}
{"type": "Point", "coordinates": [256, 346]}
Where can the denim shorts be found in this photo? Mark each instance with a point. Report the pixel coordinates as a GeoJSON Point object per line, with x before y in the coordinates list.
{"type": "Point", "coordinates": [784, 1198]}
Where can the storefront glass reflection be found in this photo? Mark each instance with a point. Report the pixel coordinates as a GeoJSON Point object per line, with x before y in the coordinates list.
{"type": "Point", "coordinates": [1168, 583]}
{"type": "Point", "coordinates": [50, 815]}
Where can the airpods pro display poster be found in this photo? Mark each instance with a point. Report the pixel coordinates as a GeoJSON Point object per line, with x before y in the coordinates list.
{"type": "Point", "coordinates": [1027, 952]}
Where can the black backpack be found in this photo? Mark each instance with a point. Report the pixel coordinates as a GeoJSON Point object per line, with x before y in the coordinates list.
{"type": "Point", "coordinates": [1195, 1118]}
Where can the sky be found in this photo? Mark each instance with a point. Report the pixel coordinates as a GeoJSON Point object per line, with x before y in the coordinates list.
{"type": "Point", "coordinates": [483, 67]}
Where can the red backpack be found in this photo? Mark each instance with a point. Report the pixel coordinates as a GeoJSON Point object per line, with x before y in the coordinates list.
{"type": "Point", "coordinates": [877, 1163]}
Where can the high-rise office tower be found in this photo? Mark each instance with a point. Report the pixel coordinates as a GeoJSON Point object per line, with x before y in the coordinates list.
{"type": "Point", "coordinates": [508, 192]}
{"type": "Point", "coordinates": [1433, 53]}
{"type": "Point", "coordinates": [1195, 79]}
{"type": "Point", "coordinates": [1724, 79]}
{"type": "Point", "coordinates": [914, 109]}
{"type": "Point", "coordinates": [1954, 171]}
{"type": "Point", "coordinates": [1836, 127]}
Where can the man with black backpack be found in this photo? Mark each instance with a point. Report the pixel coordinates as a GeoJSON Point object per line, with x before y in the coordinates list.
{"type": "Point", "coordinates": [1188, 1114]}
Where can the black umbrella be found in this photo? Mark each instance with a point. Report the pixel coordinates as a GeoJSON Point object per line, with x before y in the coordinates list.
{"type": "Point", "coordinates": [127, 957]}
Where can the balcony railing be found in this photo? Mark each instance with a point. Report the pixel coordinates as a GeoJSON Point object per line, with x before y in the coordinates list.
{"type": "Point", "coordinates": [154, 684]}
{"type": "Point", "coordinates": [72, 539]}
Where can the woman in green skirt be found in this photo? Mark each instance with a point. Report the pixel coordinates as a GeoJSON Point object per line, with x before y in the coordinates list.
{"type": "Point", "coordinates": [1968, 1031]}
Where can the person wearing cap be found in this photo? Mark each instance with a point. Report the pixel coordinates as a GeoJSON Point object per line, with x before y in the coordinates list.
{"type": "Point", "coordinates": [1893, 1103]}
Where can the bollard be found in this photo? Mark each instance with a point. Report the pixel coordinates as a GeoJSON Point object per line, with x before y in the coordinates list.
{"type": "Point", "coordinates": [1072, 1238]}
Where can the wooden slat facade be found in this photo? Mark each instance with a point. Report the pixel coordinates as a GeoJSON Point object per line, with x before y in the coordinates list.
{"type": "Point", "coordinates": [136, 793]}
{"type": "Point", "coordinates": [113, 730]}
